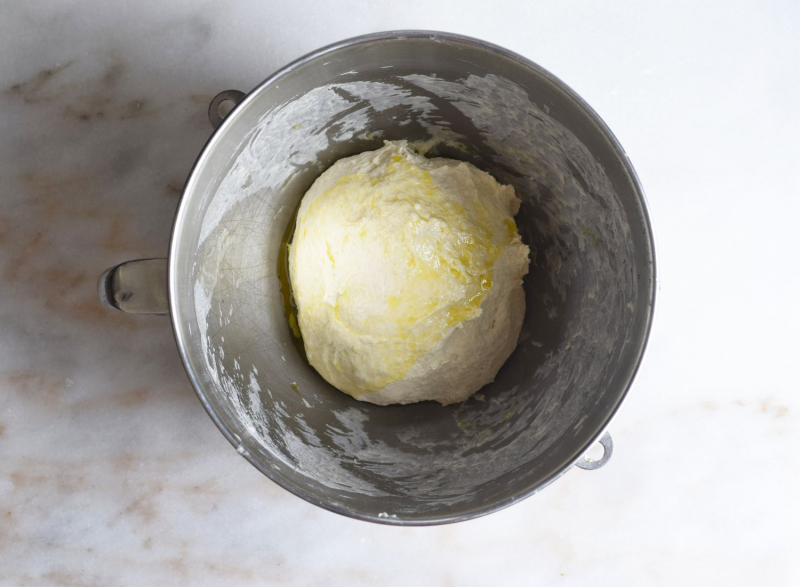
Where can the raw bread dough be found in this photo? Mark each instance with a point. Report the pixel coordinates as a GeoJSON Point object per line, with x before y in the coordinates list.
{"type": "Point", "coordinates": [407, 275]}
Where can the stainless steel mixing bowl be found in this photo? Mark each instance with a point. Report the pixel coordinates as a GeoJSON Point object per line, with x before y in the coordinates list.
{"type": "Point", "coordinates": [590, 290]}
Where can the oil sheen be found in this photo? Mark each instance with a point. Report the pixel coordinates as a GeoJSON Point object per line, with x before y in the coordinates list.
{"type": "Point", "coordinates": [391, 254]}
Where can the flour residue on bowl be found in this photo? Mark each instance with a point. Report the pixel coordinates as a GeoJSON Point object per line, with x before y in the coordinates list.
{"type": "Point", "coordinates": [304, 435]}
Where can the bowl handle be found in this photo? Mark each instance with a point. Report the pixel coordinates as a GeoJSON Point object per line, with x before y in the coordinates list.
{"type": "Point", "coordinates": [135, 287]}
{"type": "Point", "coordinates": [588, 464]}
{"type": "Point", "coordinates": [214, 117]}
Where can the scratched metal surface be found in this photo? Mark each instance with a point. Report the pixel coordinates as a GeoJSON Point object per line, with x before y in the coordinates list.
{"type": "Point", "coordinates": [588, 293]}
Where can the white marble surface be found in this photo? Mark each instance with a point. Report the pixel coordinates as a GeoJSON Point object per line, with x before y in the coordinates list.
{"type": "Point", "coordinates": [112, 474]}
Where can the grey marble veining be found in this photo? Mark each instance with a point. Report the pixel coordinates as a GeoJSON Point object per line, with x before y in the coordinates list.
{"type": "Point", "coordinates": [112, 474]}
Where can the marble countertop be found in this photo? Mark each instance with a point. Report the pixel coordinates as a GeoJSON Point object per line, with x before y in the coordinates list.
{"type": "Point", "coordinates": [112, 474]}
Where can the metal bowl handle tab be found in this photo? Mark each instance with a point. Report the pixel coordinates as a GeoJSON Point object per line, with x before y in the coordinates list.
{"type": "Point", "coordinates": [135, 287]}
{"type": "Point", "coordinates": [140, 287]}
{"type": "Point", "coordinates": [214, 116]}
{"type": "Point", "coordinates": [588, 464]}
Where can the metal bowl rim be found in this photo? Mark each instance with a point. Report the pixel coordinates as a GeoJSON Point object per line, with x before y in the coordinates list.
{"type": "Point", "coordinates": [180, 216]}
